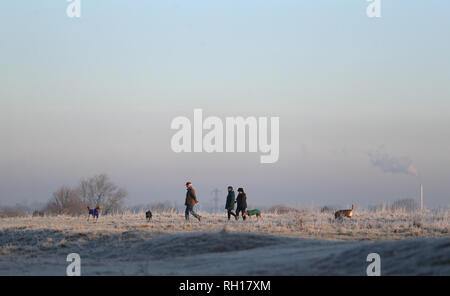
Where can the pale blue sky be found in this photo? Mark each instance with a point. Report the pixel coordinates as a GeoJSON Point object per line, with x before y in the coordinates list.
{"type": "Point", "coordinates": [96, 95]}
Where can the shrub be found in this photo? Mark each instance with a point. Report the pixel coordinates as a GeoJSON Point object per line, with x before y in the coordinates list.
{"type": "Point", "coordinates": [65, 201]}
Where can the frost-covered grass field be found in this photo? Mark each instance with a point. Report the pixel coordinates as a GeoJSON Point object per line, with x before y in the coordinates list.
{"type": "Point", "coordinates": [304, 242]}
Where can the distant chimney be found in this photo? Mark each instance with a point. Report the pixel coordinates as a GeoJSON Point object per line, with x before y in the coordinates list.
{"type": "Point", "coordinates": [421, 197]}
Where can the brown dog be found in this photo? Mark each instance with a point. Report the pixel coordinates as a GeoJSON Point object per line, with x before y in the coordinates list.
{"type": "Point", "coordinates": [344, 213]}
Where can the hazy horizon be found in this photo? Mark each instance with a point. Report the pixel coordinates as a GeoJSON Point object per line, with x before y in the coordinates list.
{"type": "Point", "coordinates": [363, 103]}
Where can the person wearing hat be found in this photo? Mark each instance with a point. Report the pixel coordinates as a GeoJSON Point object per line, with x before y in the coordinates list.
{"type": "Point", "coordinates": [229, 205]}
{"type": "Point", "coordinates": [191, 201]}
{"type": "Point", "coordinates": [241, 203]}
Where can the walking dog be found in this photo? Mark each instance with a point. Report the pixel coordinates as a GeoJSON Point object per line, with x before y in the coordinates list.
{"type": "Point", "coordinates": [254, 212]}
{"type": "Point", "coordinates": [94, 212]}
{"type": "Point", "coordinates": [148, 215]}
{"type": "Point", "coordinates": [344, 213]}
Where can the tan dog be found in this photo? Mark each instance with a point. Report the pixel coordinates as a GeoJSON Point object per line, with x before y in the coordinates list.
{"type": "Point", "coordinates": [344, 213]}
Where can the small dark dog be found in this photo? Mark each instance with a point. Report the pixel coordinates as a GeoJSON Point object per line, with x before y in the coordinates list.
{"type": "Point", "coordinates": [148, 215]}
{"type": "Point", "coordinates": [94, 213]}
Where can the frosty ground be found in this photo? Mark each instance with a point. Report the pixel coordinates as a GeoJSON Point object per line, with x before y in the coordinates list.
{"type": "Point", "coordinates": [305, 242]}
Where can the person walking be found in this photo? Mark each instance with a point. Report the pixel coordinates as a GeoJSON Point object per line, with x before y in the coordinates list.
{"type": "Point", "coordinates": [229, 205]}
{"type": "Point", "coordinates": [241, 203]}
{"type": "Point", "coordinates": [191, 201]}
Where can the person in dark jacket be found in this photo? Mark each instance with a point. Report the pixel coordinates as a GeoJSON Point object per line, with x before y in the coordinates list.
{"type": "Point", "coordinates": [191, 201]}
{"type": "Point", "coordinates": [229, 206]}
{"type": "Point", "coordinates": [241, 203]}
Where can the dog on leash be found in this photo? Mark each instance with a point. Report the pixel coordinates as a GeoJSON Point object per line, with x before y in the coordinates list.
{"type": "Point", "coordinates": [344, 213]}
{"type": "Point", "coordinates": [148, 215]}
{"type": "Point", "coordinates": [254, 212]}
{"type": "Point", "coordinates": [94, 212]}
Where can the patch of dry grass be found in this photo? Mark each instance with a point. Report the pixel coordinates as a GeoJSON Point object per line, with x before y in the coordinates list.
{"type": "Point", "coordinates": [364, 225]}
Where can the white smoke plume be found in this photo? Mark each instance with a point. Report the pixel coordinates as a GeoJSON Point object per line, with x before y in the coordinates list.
{"type": "Point", "coordinates": [392, 164]}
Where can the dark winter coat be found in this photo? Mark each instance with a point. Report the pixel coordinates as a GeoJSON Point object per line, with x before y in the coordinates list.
{"type": "Point", "coordinates": [191, 198]}
{"type": "Point", "coordinates": [241, 201]}
{"type": "Point", "coordinates": [230, 200]}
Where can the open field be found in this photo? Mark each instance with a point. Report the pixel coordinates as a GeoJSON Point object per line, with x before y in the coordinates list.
{"type": "Point", "coordinates": [305, 242]}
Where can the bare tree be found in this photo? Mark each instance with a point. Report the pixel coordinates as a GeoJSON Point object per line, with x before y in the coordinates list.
{"type": "Point", "coordinates": [65, 201]}
{"type": "Point", "coordinates": [100, 191]}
